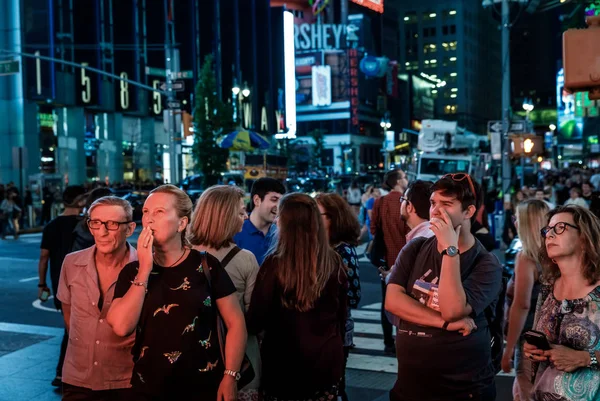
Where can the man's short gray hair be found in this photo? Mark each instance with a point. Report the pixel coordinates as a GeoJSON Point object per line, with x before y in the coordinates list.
{"type": "Point", "coordinates": [113, 201]}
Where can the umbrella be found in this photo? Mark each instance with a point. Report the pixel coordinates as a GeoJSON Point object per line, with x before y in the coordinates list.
{"type": "Point", "coordinates": [244, 140]}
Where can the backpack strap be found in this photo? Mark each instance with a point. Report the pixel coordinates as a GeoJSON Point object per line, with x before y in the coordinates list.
{"type": "Point", "coordinates": [230, 255]}
{"type": "Point", "coordinates": [220, 323]}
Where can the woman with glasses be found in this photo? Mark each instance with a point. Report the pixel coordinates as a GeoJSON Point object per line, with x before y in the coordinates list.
{"type": "Point", "coordinates": [166, 299]}
{"type": "Point", "coordinates": [568, 311]}
{"type": "Point", "coordinates": [530, 219]}
{"type": "Point", "coordinates": [342, 229]}
{"type": "Point", "coordinates": [299, 303]}
{"type": "Point", "coordinates": [219, 215]}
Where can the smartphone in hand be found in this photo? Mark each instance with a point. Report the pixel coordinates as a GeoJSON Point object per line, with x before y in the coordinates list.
{"type": "Point", "coordinates": [537, 339]}
{"type": "Point", "coordinates": [45, 295]}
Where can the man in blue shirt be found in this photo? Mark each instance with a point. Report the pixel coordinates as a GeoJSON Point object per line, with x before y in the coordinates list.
{"type": "Point", "coordinates": [258, 231]}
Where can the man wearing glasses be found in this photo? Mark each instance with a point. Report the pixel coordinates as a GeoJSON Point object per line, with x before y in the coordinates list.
{"type": "Point", "coordinates": [440, 288]}
{"type": "Point", "coordinates": [98, 363]}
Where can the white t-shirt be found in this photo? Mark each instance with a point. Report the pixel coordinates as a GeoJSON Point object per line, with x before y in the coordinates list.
{"type": "Point", "coordinates": [353, 196]}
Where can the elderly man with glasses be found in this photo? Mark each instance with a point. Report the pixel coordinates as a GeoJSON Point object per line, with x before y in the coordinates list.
{"type": "Point", "coordinates": [98, 363]}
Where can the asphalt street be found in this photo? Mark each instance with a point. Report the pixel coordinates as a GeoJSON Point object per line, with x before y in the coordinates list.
{"type": "Point", "coordinates": [25, 324]}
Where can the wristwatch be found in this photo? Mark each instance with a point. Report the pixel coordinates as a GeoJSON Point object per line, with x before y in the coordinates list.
{"type": "Point", "coordinates": [593, 360]}
{"type": "Point", "coordinates": [451, 251]}
{"type": "Point", "coordinates": [233, 373]}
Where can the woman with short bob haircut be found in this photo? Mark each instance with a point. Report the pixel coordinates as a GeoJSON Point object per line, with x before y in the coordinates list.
{"type": "Point", "coordinates": [299, 302]}
{"type": "Point", "coordinates": [218, 216]}
{"type": "Point", "coordinates": [568, 309]}
{"type": "Point", "coordinates": [167, 300]}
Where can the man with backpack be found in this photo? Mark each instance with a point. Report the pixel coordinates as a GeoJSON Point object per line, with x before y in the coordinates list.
{"type": "Point", "coordinates": [445, 289]}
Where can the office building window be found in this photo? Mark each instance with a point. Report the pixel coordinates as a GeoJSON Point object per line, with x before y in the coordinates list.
{"type": "Point", "coordinates": [451, 78]}
{"type": "Point", "coordinates": [429, 15]}
{"type": "Point", "coordinates": [430, 63]}
{"type": "Point", "coordinates": [449, 13]}
{"type": "Point", "coordinates": [411, 50]}
{"type": "Point", "coordinates": [411, 18]}
{"type": "Point", "coordinates": [450, 109]}
{"type": "Point", "coordinates": [411, 65]}
{"type": "Point", "coordinates": [450, 61]}
{"type": "Point", "coordinates": [434, 93]}
{"type": "Point", "coordinates": [430, 48]}
{"type": "Point", "coordinates": [449, 46]}
{"type": "Point", "coordinates": [429, 32]}
{"type": "Point", "coordinates": [452, 29]}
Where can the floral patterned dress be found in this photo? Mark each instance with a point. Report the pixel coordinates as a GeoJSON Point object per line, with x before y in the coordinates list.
{"type": "Point", "coordinates": [350, 259]}
{"type": "Point", "coordinates": [574, 324]}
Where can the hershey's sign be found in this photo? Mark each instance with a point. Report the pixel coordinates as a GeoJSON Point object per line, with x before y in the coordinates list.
{"type": "Point", "coordinates": [319, 36]}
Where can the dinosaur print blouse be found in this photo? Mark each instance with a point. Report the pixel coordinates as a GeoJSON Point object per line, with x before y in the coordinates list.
{"type": "Point", "coordinates": [176, 349]}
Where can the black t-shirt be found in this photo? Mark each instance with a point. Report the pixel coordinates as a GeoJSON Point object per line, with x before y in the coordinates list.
{"type": "Point", "coordinates": [176, 351]}
{"type": "Point", "coordinates": [434, 364]}
{"type": "Point", "coordinates": [302, 352]}
{"type": "Point", "coordinates": [58, 239]}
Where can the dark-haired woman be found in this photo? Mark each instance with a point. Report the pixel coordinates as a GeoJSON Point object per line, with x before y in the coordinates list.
{"type": "Point", "coordinates": [299, 303]}
{"type": "Point", "coordinates": [343, 228]}
{"type": "Point", "coordinates": [568, 311]}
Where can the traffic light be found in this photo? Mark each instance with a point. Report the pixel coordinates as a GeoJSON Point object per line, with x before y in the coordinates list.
{"type": "Point", "coordinates": [188, 124]}
{"type": "Point", "coordinates": [580, 55]}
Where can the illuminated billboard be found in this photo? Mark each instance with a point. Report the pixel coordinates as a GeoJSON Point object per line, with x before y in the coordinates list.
{"type": "Point", "coordinates": [375, 5]}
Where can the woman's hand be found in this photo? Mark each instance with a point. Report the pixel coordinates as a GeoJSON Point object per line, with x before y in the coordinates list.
{"type": "Point", "coordinates": [144, 250]}
{"type": "Point", "coordinates": [227, 389]}
{"type": "Point", "coordinates": [534, 353]}
{"type": "Point", "coordinates": [567, 359]}
{"type": "Point", "coordinates": [507, 360]}
{"type": "Point", "coordinates": [465, 326]}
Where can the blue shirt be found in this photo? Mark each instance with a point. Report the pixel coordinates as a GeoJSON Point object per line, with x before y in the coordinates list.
{"type": "Point", "coordinates": [253, 240]}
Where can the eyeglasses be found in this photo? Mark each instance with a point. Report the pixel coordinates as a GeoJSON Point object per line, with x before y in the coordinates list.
{"type": "Point", "coordinates": [402, 199]}
{"type": "Point", "coordinates": [110, 225]}
{"type": "Point", "coordinates": [558, 228]}
{"type": "Point", "coordinates": [458, 177]}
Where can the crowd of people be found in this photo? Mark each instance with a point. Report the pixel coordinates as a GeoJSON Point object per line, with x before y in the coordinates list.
{"type": "Point", "coordinates": [224, 301]}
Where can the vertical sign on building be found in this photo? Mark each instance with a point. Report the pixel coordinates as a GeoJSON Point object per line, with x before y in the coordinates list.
{"type": "Point", "coordinates": [353, 62]}
{"type": "Point", "coordinates": [321, 85]}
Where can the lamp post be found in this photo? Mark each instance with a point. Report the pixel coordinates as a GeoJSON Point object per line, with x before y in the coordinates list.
{"type": "Point", "coordinates": [385, 125]}
{"type": "Point", "coordinates": [235, 91]}
{"type": "Point", "coordinates": [528, 107]}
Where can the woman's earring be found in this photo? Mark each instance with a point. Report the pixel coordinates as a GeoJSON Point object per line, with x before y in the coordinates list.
{"type": "Point", "coordinates": [554, 261]}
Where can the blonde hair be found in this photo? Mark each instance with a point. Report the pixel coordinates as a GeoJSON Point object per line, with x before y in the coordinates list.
{"type": "Point", "coordinates": [112, 201]}
{"type": "Point", "coordinates": [531, 215]}
{"type": "Point", "coordinates": [183, 204]}
{"type": "Point", "coordinates": [216, 217]}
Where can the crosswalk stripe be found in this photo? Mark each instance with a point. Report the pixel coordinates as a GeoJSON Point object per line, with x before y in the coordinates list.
{"type": "Point", "coordinates": [366, 315]}
{"type": "Point", "coordinates": [368, 340]}
{"type": "Point", "coordinates": [375, 306]}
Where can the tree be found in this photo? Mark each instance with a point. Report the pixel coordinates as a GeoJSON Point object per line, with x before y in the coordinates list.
{"type": "Point", "coordinates": [212, 118]}
{"type": "Point", "coordinates": [319, 137]}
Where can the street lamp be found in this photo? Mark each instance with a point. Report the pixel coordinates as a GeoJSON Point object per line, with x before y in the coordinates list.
{"type": "Point", "coordinates": [246, 90]}
{"type": "Point", "coordinates": [385, 125]}
{"type": "Point", "coordinates": [235, 90]}
{"type": "Point", "coordinates": [552, 127]}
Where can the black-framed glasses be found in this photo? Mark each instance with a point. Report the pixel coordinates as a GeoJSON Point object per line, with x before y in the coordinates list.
{"type": "Point", "coordinates": [458, 177]}
{"type": "Point", "coordinates": [558, 228]}
{"type": "Point", "coordinates": [403, 198]}
{"type": "Point", "coordinates": [110, 225]}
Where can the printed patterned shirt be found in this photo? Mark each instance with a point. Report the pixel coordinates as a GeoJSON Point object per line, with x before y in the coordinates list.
{"type": "Point", "coordinates": [177, 350]}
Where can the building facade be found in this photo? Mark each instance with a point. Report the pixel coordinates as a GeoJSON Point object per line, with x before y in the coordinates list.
{"type": "Point", "coordinates": [458, 43]}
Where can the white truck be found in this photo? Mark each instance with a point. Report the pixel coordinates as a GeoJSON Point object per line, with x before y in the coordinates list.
{"type": "Point", "coordinates": [445, 148]}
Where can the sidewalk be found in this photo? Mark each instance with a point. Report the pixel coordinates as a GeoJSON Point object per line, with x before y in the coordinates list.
{"type": "Point", "coordinates": [28, 356]}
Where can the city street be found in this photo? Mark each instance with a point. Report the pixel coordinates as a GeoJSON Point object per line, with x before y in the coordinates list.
{"type": "Point", "coordinates": [30, 333]}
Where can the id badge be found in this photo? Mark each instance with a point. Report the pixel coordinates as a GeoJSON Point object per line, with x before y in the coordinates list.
{"type": "Point", "coordinates": [427, 293]}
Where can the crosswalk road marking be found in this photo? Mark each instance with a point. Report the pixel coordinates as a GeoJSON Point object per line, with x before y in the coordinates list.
{"type": "Point", "coordinates": [368, 340]}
